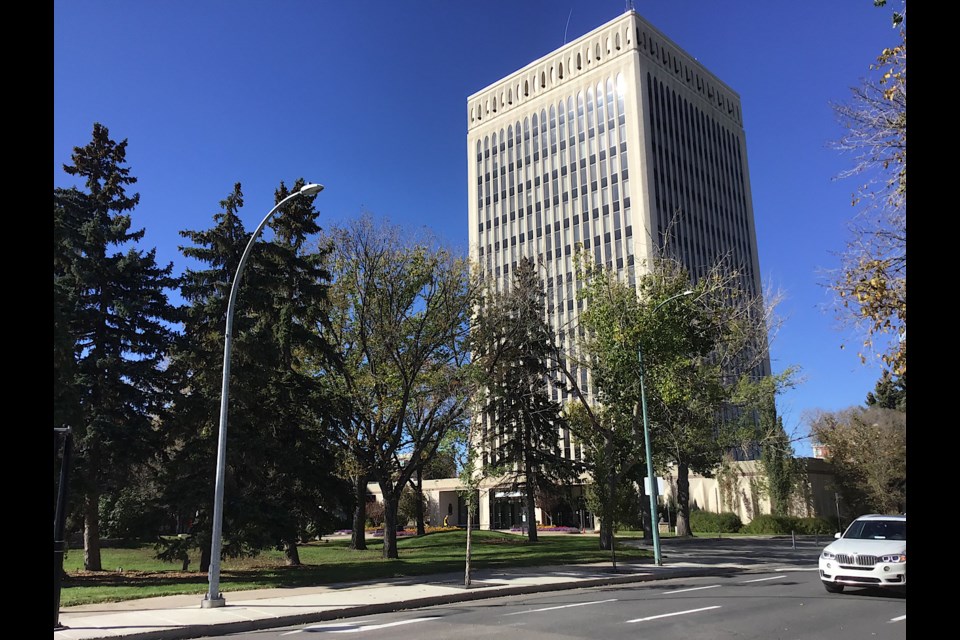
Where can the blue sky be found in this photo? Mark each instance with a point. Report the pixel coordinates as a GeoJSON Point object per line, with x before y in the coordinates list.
{"type": "Point", "coordinates": [369, 99]}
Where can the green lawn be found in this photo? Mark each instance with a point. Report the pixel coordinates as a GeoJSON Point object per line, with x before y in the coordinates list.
{"type": "Point", "coordinates": [131, 573]}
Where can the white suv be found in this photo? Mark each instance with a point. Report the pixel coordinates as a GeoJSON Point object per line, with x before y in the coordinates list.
{"type": "Point", "coordinates": [872, 552]}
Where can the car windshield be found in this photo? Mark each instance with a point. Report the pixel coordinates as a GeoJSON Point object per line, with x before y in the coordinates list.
{"type": "Point", "coordinates": [877, 530]}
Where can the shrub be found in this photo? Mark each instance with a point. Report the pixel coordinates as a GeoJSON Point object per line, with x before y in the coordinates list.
{"type": "Point", "coordinates": [374, 515]}
{"type": "Point", "coordinates": [708, 522]}
{"type": "Point", "coordinates": [770, 524]}
{"type": "Point", "coordinates": [810, 526]}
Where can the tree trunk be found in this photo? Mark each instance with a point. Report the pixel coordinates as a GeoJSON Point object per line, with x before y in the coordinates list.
{"type": "Point", "coordinates": [390, 500]}
{"type": "Point", "coordinates": [531, 504]}
{"type": "Point", "coordinates": [421, 529]}
{"type": "Point", "coordinates": [291, 553]}
{"type": "Point", "coordinates": [645, 511]}
{"type": "Point", "coordinates": [205, 557]}
{"type": "Point", "coordinates": [358, 539]}
{"type": "Point", "coordinates": [91, 530]}
{"type": "Point", "coordinates": [683, 500]}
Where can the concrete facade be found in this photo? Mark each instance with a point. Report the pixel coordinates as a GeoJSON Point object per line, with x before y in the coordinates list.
{"type": "Point", "coordinates": [738, 488]}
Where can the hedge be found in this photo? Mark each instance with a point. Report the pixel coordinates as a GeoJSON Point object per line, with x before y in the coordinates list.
{"type": "Point", "coordinates": [708, 522]}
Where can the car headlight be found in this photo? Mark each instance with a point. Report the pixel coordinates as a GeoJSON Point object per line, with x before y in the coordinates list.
{"type": "Point", "coordinates": [829, 555]}
{"type": "Point", "coordinates": [894, 558]}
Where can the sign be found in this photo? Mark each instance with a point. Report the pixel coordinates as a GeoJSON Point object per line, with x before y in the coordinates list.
{"type": "Point", "coordinates": [660, 485]}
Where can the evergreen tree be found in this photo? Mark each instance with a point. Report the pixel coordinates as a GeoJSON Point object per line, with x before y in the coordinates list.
{"type": "Point", "coordinates": [279, 483]}
{"type": "Point", "coordinates": [889, 393]}
{"type": "Point", "coordinates": [289, 459]}
{"type": "Point", "coordinates": [512, 346]}
{"type": "Point", "coordinates": [197, 368]}
{"type": "Point", "coordinates": [112, 331]}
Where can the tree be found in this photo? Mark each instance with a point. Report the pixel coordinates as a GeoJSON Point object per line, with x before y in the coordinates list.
{"type": "Point", "coordinates": [112, 328]}
{"type": "Point", "coordinates": [442, 464]}
{"type": "Point", "coordinates": [698, 352]}
{"type": "Point", "coordinates": [511, 342]}
{"type": "Point", "coordinates": [868, 449]}
{"type": "Point", "coordinates": [693, 355]}
{"type": "Point", "coordinates": [759, 423]}
{"type": "Point", "coordinates": [196, 366]}
{"type": "Point", "coordinates": [280, 485]}
{"type": "Point", "coordinates": [871, 283]}
{"type": "Point", "coordinates": [399, 315]}
{"type": "Point", "coordinates": [604, 422]}
{"type": "Point", "coordinates": [890, 393]}
{"type": "Point", "coordinates": [288, 459]}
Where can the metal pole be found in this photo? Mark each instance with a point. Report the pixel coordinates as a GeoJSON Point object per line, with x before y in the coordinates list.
{"type": "Point", "coordinates": [214, 598]}
{"type": "Point", "coordinates": [839, 523]}
{"type": "Point", "coordinates": [59, 522]}
{"type": "Point", "coordinates": [654, 528]}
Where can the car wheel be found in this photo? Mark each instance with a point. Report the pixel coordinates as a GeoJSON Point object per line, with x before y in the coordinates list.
{"type": "Point", "coordinates": [833, 587]}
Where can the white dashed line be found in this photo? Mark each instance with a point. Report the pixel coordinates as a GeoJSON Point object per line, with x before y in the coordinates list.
{"type": "Point", "coordinates": [348, 627]}
{"type": "Point", "coordinates": [763, 579]}
{"type": "Point", "coordinates": [692, 589]}
{"type": "Point", "coordinates": [563, 606]}
{"type": "Point", "coordinates": [899, 618]}
{"type": "Point", "coordinates": [677, 613]}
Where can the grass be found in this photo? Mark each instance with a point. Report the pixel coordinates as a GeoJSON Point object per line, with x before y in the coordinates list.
{"type": "Point", "coordinates": [132, 573]}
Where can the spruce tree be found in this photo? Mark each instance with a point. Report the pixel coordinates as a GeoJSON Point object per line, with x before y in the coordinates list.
{"type": "Point", "coordinates": [512, 346]}
{"type": "Point", "coordinates": [112, 317]}
{"type": "Point", "coordinates": [279, 481]}
{"type": "Point", "coordinates": [290, 451]}
{"type": "Point", "coordinates": [197, 368]}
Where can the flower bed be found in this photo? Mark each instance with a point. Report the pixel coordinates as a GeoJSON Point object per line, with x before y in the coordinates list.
{"type": "Point", "coordinates": [549, 529]}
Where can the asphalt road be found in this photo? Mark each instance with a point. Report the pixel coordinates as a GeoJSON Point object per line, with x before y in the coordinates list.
{"type": "Point", "coordinates": [779, 596]}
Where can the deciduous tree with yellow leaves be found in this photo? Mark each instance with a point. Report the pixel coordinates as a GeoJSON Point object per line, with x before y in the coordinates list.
{"type": "Point", "coordinates": [871, 283]}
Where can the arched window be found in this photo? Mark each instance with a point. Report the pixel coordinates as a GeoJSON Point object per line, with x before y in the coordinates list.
{"type": "Point", "coordinates": [598, 51]}
{"type": "Point", "coordinates": [526, 88]}
{"type": "Point", "coordinates": [579, 62]}
{"type": "Point", "coordinates": [543, 80]}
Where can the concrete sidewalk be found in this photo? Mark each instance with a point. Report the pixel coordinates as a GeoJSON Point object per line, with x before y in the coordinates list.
{"type": "Point", "coordinates": [174, 617]}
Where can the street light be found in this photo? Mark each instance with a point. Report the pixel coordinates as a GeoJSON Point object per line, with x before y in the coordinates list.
{"type": "Point", "coordinates": [654, 527]}
{"type": "Point", "coordinates": [214, 598]}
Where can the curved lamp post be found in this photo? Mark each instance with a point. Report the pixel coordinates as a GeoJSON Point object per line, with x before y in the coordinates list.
{"type": "Point", "coordinates": [654, 527]}
{"type": "Point", "coordinates": [214, 598]}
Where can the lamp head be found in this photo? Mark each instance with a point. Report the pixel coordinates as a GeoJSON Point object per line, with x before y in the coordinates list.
{"type": "Point", "coordinates": [311, 189]}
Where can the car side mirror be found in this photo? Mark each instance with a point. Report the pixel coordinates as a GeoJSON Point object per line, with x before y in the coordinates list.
{"type": "Point", "coordinates": [837, 535]}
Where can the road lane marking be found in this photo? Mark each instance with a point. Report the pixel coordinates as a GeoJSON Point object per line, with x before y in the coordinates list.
{"type": "Point", "coordinates": [353, 627]}
{"type": "Point", "coordinates": [330, 625]}
{"type": "Point", "coordinates": [763, 579]}
{"type": "Point", "coordinates": [676, 613]}
{"type": "Point", "coordinates": [899, 618]}
{"type": "Point", "coordinates": [691, 589]}
{"type": "Point", "coordinates": [563, 606]}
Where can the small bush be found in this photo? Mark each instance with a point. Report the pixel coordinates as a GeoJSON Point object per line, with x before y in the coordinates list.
{"type": "Point", "coordinates": [708, 522]}
{"type": "Point", "coordinates": [769, 524]}
{"type": "Point", "coordinates": [811, 526]}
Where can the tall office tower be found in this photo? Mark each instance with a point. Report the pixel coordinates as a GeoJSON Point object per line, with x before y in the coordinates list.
{"type": "Point", "coordinates": [600, 143]}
